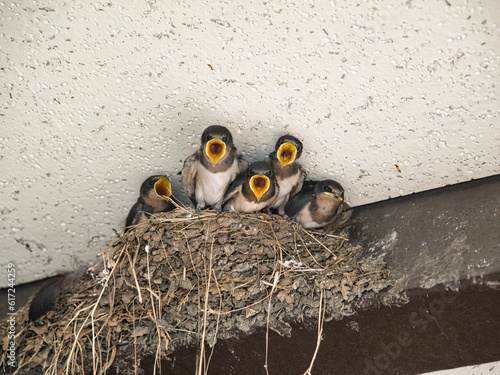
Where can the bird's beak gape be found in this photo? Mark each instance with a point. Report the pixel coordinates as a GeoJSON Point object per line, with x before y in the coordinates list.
{"type": "Point", "coordinates": [287, 153]}
{"type": "Point", "coordinates": [215, 150]}
{"type": "Point", "coordinates": [163, 188]}
{"type": "Point", "coordinates": [259, 185]}
{"type": "Point", "coordinates": [335, 195]}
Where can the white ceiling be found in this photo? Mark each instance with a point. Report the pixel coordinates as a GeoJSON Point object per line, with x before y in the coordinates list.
{"type": "Point", "coordinates": [389, 98]}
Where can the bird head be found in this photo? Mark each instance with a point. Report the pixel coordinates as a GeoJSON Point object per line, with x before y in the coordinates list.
{"type": "Point", "coordinates": [331, 188]}
{"type": "Point", "coordinates": [288, 148]}
{"type": "Point", "coordinates": [217, 139]}
{"type": "Point", "coordinates": [260, 176]}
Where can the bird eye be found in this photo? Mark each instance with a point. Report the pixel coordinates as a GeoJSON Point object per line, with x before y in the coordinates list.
{"type": "Point", "coordinates": [251, 171]}
{"type": "Point", "coordinates": [327, 188]}
{"type": "Point", "coordinates": [268, 174]}
{"type": "Point", "coordinates": [209, 137]}
{"type": "Point", "coordinates": [224, 139]}
{"type": "Point", "coordinates": [152, 182]}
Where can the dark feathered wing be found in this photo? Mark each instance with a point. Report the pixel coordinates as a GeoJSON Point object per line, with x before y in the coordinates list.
{"type": "Point", "coordinates": [44, 299]}
{"type": "Point", "coordinates": [309, 185]}
{"type": "Point", "coordinates": [298, 202]}
{"type": "Point", "coordinates": [234, 187]}
{"type": "Point", "coordinates": [133, 215]}
{"type": "Point", "coordinates": [242, 164]}
{"type": "Point", "coordinates": [189, 175]}
{"type": "Point", "coordinates": [298, 187]}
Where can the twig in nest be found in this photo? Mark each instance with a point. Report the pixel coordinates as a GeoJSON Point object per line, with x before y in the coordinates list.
{"type": "Point", "coordinates": [155, 315]}
{"type": "Point", "coordinates": [179, 206]}
{"type": "Point", "coordinates": [132, 269]}
{"type": "Point", "coordinates": [305, 246]}
{"type": "Point", "coordinates": [76, 315]}
{"type": "Point", "coordinates": [217, 324]}
{"type": "Point", "coordinates": [275, 255]}
{"type": "Point", "coordinates": [319, 242]}
{"type": "Point", "coordinates": [93, 345]}
{"type": "Point", "coordinates": [135, 337]}
{"type": "Point", "coordinates": [276, 279]}
{"type": "Point", "coordinates": [321, 319]}
{"type": "Point", "coordinates": [70, 355]}
{"type": "Point", "coordinates": [240, 308]}
{"type": "Point", "coordinates": [201, 363]}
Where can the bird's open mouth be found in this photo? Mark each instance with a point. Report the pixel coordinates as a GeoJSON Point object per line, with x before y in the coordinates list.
{"type": "Point", "coordinates": [163, 188]}
{"type": "Point", "coordinates": [259, 185]}
{"type": "Point", "coordinates": [215, 150]}
{"type": "Point", "coordinates": [287, 153]}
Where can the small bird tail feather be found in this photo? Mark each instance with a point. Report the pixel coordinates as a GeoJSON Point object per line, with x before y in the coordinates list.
{"type": "Point", "coordinates": [44, 299]}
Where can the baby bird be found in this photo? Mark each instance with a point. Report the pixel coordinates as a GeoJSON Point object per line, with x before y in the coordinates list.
{"type": "Point", "coordinates": [289, 174]}
{"type": "Point", "coordinates": [155, 196]}
{"type": "Point", "coordinates": [317, 204]}
{"type": "Point", "coordinates": [252, 191]}
{"type": "Point", "coordinates": [208, 172]}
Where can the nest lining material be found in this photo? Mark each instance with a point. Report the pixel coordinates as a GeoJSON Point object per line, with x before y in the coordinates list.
{"type": "Point", "coordinates": [178, 280]}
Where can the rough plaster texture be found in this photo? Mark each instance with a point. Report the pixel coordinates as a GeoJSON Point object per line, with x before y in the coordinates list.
{"type": "Point", "coordinates": [389, 98]}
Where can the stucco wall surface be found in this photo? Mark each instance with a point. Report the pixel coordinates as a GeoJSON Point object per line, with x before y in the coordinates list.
{"type": "Point", "coordinates": [389, 98]}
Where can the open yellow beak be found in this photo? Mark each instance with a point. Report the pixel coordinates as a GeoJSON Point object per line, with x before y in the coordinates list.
{"type": "Point", "coordinates": [163, 188]}
{"type": "Point", "coordinates": [215, 150]}
{"type": "Point", "coordinates": [259, 185]}
{"type": "Point", "coordinates": [287, 153]}
{"type": "Point", "coordinates": [335, 195]}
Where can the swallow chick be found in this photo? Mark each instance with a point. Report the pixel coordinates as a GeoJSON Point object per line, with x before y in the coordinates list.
{"type": "Point", "coordinates": [317, 204]}
{"type": "Point", "coordinates": [155, 196]}
{"type": "Point", "coordinates": [289, 174]}
{"type": "Point", "coordinates": [208, 172]}
{"type": "Point", "coordinates": [252, 191]}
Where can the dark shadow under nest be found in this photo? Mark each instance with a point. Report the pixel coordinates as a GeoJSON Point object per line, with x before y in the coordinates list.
{"type": "Point", "coordinates": [180, 279]}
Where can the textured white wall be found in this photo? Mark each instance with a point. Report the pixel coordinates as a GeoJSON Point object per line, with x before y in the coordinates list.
{"type": "Point", "coordinates": [96, 96]}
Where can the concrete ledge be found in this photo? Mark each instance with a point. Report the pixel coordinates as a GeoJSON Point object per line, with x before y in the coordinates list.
{"type": "Point", "coordinates": [443, 251]}
{"type": "Point", "coordinates": [436, 237]}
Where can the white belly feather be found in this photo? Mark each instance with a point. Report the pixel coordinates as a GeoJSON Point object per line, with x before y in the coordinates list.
{"type": "Point", "coordinates": [285, 187]}
{"type": "Point", "coordinates": [211, 187]}
{"type": "Point", "coordinates": [240, 204]}
{"type": "Point", "coordinates": [304, 217]}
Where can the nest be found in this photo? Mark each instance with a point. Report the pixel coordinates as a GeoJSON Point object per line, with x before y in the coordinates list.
{"type": "Point", "coordinates": [179, 279]}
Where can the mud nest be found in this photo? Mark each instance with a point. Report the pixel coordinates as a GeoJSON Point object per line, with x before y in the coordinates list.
{"type": "Point", "coordinates": [180, 279]}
